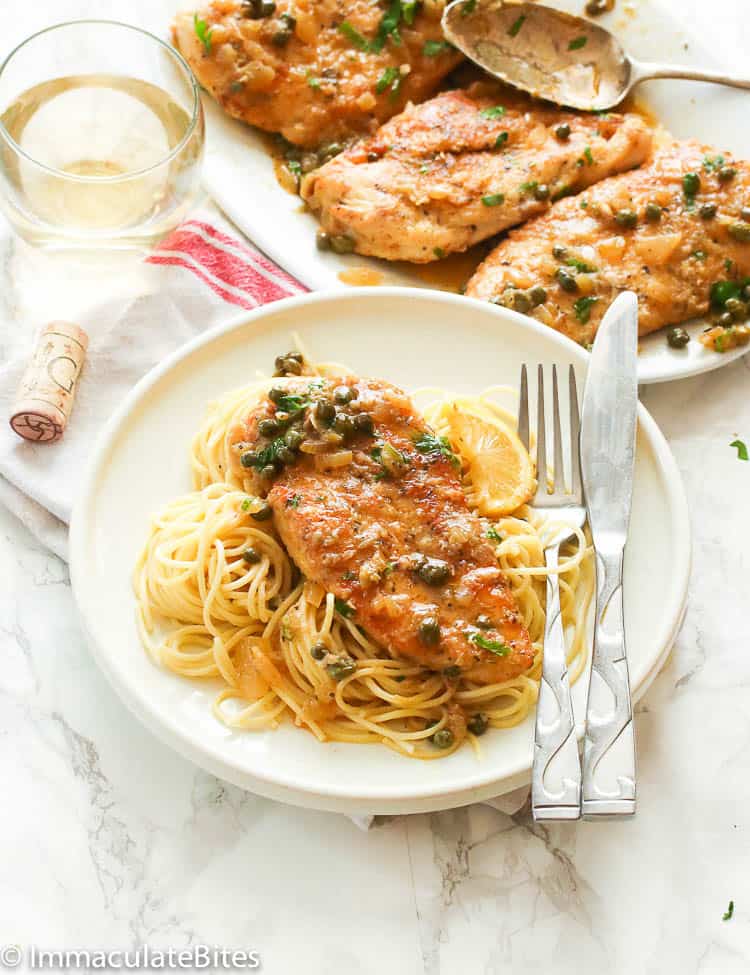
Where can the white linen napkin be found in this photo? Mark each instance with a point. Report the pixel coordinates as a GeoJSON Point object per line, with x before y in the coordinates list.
{"type": "Point", "coordinates": [193, 280]}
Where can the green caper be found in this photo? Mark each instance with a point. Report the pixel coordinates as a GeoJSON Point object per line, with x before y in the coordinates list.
{"type": "Point", "coordinates": [691, 183]}
{"type": "Point", "coordinates": [342, 244]}
{"type": "Point", "coordinates": [434, 572]}
{"type": "Point", "coordinates": [484, 622]}
{"type": "Point", "coordinates": [562, 132]}
{"type": "Point", "coordinates": [268, 428]}
{"type": "Point", "coordinates": [343, 424]}
{"type": "Point", "coordinates": [541, 192]}
{"type": "Point", "coordinates": [268, 472]}
{"type": "Point", "coordinates": [265, 511]}
{"type": "Point", "coordinates": [677, 338]}
{"type": "Point", "coordinates": [443, 738]}
{"type": "Point", "coordinates": [285, 455]}
{"type": "Point", "coordinates": [293, 439]}
{"type": "Point", "coordinates": [737, 309]}
{"type": "Point", "coordinates": [746, 292]}
{"type": "Point", "coordinates": [653, 212]}
{"type": "Point", "coordinates": [596, 7]}
{"type": "Point", "coordinates": [519, 301]}
{"type": "Point", "coordinates": [289, 364]}
{"type": "Point", "coordinates": [258, 9]}
{"type": "Point", "coordinates": [559, 252]}
{"type": "Point", "coordinates": [343, 394]}
{"type": "Point", "coordinates": [325, 411]}
{"type": "Point", "coordinates": [289, 21]}
{"type": "Point", "coordinates": [343, 667]}
{"type": "Point", "coordinates": [478, 723]}
{"type": "Point", "coordinates": [537, 295]}
{"type": "Point", "coordinates": [281, 38]}
{"type": "Point", "coordinates": [249, 458]}
{"type": "Point", "coordinates": [739, 230]}
{"type": "Point", "coordinates": [452, 671]}
{"type": "Point", "coordinates": [429, 631]}
{"type": "Point", "coordinates": [707, 211]}
{"type": "Point", "coordinates": [566, 280]}
{"type": "Point", "coordinates": [626, 218]}
{"type": "Point", "coordinates": [726, 173]}
{"type": "Point", "coordinates": [323, 241]}
{"type": "Point", "coordinates": [318, 650]}
{"type": "Point", "coordinates": [725, 320]}
{"type": "Point", "coordinates": [252, 556]}
{"type": "Point", "coordinates": [364, 423]}
{"type": "Point", "coordinates": [276, 394]}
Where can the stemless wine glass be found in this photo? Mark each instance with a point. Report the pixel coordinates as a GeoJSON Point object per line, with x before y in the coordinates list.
{"type": "Point", "coordinates": [101, 136]}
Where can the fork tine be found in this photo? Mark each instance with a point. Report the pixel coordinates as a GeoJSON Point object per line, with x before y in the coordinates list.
{"type": "Point", "coordinates": [558, 474]}
{"type": "Point", "coordinates": [523, 409]}
{"type": "Point", "coordinates": [576, 486]}
{"type": "Point", "coordinates": [541, 438]}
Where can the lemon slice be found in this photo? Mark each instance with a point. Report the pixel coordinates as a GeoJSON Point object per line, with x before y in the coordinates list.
{"type": "Point", "coordinates": [499, 467]}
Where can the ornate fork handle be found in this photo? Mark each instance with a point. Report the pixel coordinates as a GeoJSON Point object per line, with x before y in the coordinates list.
{"type": "Point", "coordinates": [556, 773]}
{"type": "Point", "coordinates": [609, 746]}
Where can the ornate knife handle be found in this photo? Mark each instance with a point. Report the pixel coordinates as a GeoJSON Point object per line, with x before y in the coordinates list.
{"type": "Point", "coordinates": [609, 745]}
{"type": "Point", "coordinates": [556, 773]}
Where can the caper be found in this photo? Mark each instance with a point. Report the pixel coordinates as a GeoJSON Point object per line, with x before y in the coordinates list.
{"type": "Point", "coordinates": [596, 7]}
{"type": "Point", "coordinates": [289, 21]}
{"type": "Point", "coordinates": [252, 556]}
{"type": "Point", "coordinates": [258, 9]}
{"type": "Point", "coordinates": [737, 309]}
{"type": "Point", "coordinates": [746, 292]}
{"type": "Point", "coordinates": [343, 424]}
{"type": "Point", "coordinates": [452, 671]}
{"type": "Point", "coordinates": [276, 394]}
{"type": "Point", "coordinates": [318, 650]}
{"type": "Point", "coordinates": [537, 295]}
{"type": "Point", "coordinates": [325, 411]}
{"type": "Point", "coordinates": [677, 338]}
{"type": "Point", "coordinates": [342, 244]}
{"type": "Point", "coordinates": [478, 723]}
{"type": "Point", "coordinates": [653, 212]}
{"type": "Point", "coordinates": [562, 132]}
{"type": "Point", "coordinates": [726, 173]}
{"type": "Point", "coordinates": [519, 301]}
{"type": "Point", "coordinates": [443, 738]}
{"type": "Point", "coordinates": [265, 511]}
{"type": "Point", "coordinates": [740, 230]}
{"type": "Point", "coordinates": [691, 183]}
{"type": "Point", "coordinates": [293, 439]}
{"type": "Point", "coordinates": [249, 458]}
{"type": "Point", "coordinates": [289, 363]}
{"type": "Point", "coordinates": [725, 319]}
{"type": "Point", "coordinates": [343, 667]}
{"type": "Point", "coordinates": [343, 394]}
{"type": "Point", "coordinates": [281, 38]}
{"type": "Point", "coordinates": [364, 423]}
{"type": "Point", "coordinates": [626, 218]}
{"type": "Point", "coordinates": [707, 211]}
{"type": "Point", "coordinates": [268, 472]}
{"type": "Point", "coordinates": [285, 455]}
{"type": "Point", "coordinates": [484, 622]}
{"type": "Point", "coordinates": [429, 631]}
{"type": "Point", "coordinates": [323, 241]}
{"type": "Point", "coordinates": [268, 428]}
{"type": "Point", "coordinates": [566, 280]}
{"type": "Point", "coordinates": [559, 252]}
{"type": "Point", "coordinates": [434, 572]}
{"type": "Point", "coordinates": [541, 192]}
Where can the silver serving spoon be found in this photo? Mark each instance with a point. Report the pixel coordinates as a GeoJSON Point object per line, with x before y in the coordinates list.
{"type": "Point", "coordinates": [554, 55]}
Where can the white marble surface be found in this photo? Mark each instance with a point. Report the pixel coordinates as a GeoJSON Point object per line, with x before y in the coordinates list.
{"type": "Point", "coordinates": [110, 839]}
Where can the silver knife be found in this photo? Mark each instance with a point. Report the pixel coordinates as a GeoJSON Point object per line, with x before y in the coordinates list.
{"type": "Point", "coordinates": [608, 430]}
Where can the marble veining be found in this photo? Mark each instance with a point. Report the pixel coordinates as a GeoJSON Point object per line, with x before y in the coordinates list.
{"type": "Point", "coordinates": [110, 839]}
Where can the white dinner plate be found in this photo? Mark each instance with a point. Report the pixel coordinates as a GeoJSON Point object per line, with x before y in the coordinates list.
{"type": "Point", "coordinates": [415, 339]}
{"type": "Point", "coordinates": [240, 176]}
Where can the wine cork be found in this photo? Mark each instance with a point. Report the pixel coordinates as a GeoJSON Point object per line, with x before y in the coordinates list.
{"type": "Point", "coordinates": [48, 388]}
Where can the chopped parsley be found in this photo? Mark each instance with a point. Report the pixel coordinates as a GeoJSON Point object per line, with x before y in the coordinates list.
{"type": "Point", "coordinates": [563, 191]}
{"type": "Point", "coordinates": [583, 307]}
{"type": "Point", "coordinates": [428, 443]}
{"type": "Point", "coordinates": [516, 26]}
{"type": "Point", "coordinates": [293, 502]}
{"type": "Point", "coordinates": [343, 608]}
{"type": "Point", "coordinates": [313, 82]}
{"type": "Point", "coordinates": [495, 111]}
{"type": "Point", "coordinates": [494, 646]}
{"type": "Point", "coordinates": [354, 36]}
{"type": "Point", "coordinates": [390, 78]}
{"type": "Point", "coordinates": [501, 140]}
{"type": "Point", "coordinates": [269, 454]}
{"type": "Point", "coordinates": [712, 163]}
{"type": "Point", "coordinates": [292, 404]}
{"type": "Point", "coordinates": [493, 199]}
{"type": "Point", "coordinates": [578, 42]}
{"type": "Point", "coordinates": [388, 27]}
{"type": "Point", "coordinates": [391, 460]}
{"type": "Point", "coordinates": [727, 915]}
{"type": "Point", "coordinates": [409, 10]}
{"type": "Point", "coordinates": [494, 534]}
{"type": "Point", "coordinates": [468, 8]}
{"type": "Point", "coordinates": [529, 187]}
{"type": "Point", "coordinates": [722, 291]}
{"type": "Point", "coordinates": [246, 504]}
{"type": "Point", "coordinates": [294, 166]}
{"type": "Point", "coordinates": [741, 446]}
{"type": "Point", "coordinates": [202, 32]}
{"type": "Point", "coordinates": [438, 252]}
{"type": "Point", "coordinates": [581, 266]}
{"type": "Point", "coordinates": [432, 49]}
{"type": "Point", "coordinates": [699, 255]}
{"type": "Point", "coordinates": [587, 155]}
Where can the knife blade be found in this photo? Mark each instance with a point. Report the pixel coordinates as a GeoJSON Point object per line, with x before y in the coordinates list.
{"type": "Point", "coordinates": [608, 433]}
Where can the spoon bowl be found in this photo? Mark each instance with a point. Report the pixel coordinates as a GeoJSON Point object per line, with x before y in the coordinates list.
{"type": "Point", "coordinates": [554, 55]}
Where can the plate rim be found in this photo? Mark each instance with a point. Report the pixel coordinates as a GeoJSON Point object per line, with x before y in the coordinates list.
{"type": "Point", "coordinates": [282, 786]}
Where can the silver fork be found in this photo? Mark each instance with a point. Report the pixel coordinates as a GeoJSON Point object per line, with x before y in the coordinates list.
{"type": "Point", "coordinates": [556, 773]}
